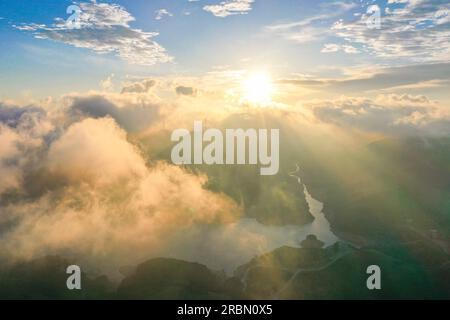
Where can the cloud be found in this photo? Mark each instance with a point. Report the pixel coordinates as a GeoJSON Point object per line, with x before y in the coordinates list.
{"type": "Point", "coordinates": [92, 191]}
{"type": "Point", "coordinates": [421, 85]}
{"type": "Point", "coordinates": [99, 201]}
{"type": "Point", "coordinates": [388, 114]}
{"type": "Point", "coordinates": [299, 33]}
{"type": "Point", "coordinates": [330, 47]}
{"type": "Point", "coordinates": [313, 28]}
{"type": "Point", "coordinates": [82, 153]}
{"type": "Point", "coordinates": [414, 30]}
{"type": "Point", "coordinates": [11, 115]}
{"type": "Point", "coordinates": [185, 91]}
{"type": "Point", "coordinates": [230, 7]}
{"type": "Point", "coordinates": [80, 180]}
{"type": "Point", "coordinates": [139, 87]}
{"type": "Point", "coordinates": [133, 115]}
{"type": "Point", "coordinates": [161, 13]}
{"type": "Point", "coordinates": [9, 150]}
{"type": "Point", "coordinates": [380, 78]}
{"type": "Point", "coordinates": [349, 49]}
{"type": "Point", "coordinates": [104, 28]}
{"type": "Point", "coordinates": [107, 84]}
{"type": "Point", "coordinates": [22, 131]}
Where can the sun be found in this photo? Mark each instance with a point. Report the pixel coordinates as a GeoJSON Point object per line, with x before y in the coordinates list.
{"type": "Point", "coordinates": [258, 88]}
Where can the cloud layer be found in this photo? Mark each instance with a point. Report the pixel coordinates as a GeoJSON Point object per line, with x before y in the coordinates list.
{"type": "Point", "coordinates": [389, 114]}
{"type": "Point", "coordinates": [104, 28]}
{"type": "Point", "coordinates": [79, 179]}
{"type": "Point", "coordinates": [418, 30]}
{"type": "Point", "coordinates": [409, 30]}
{"type": "Point", "coordinates": [229, 7]}
{"type": "Point", "coordinates": [75, 185]}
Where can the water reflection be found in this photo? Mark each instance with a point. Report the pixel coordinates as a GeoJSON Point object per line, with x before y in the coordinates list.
{"type": "Point", "coordinates": [229, 246]}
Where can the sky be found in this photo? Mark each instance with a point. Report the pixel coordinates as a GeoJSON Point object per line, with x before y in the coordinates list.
{"type": "Point", "coordinates": [304, 42]}
{"type": "Point", "coordinates": [87, 107]}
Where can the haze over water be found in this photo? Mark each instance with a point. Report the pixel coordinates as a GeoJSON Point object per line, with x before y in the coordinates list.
{"type": "Point", "coordinates": [228, 246]}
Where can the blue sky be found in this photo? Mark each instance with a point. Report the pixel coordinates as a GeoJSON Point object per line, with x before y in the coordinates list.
{"type": "Point", "coordinates": [315, 39]}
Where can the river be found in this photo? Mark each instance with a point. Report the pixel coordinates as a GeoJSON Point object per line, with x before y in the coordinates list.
{"type": "Point", "coordinates": [229, 246]}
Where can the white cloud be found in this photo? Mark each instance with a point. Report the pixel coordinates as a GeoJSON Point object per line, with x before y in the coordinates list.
{"type": "Point", "coordinates": [230, 7]}
{"type": "Point", "coordinates": [414, 30]}
{"type": "Point", "coordinates": [81, 153]}
{"type": "Point", "coordinates": [350, 49]}
{"type": "Point", "coordinates": [330, 47]}
{"type": "Point", "coordinates": [161, 13]}
{"type": "Point", "coordinates": [107, 84]}
{"type": "Point", "coordinates": [101, 199]}
{"type": "Point", "coordinates": [94, 196]}
{"type": "Point", "coordinates": [312, 28]}
{"type": "Point", "coordinates": [9, 149]}
{"type": "Point", "coordinates": [397, 1]}
{"type": "Point", "coordinates": [133, 111]}
{"type": "Point", "coordinates": [139, 87]}
{"type": "Point", "coordinates": [388, 114]}
{"type": "Point", "coordinates": [104, 28]}
{"type": "Point", "coordinates": [21, 130]}
{"type": "Point", "coordinates": [370, 78]}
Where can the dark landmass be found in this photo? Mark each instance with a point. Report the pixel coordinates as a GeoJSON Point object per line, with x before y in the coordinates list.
{"type": "Point", "coordinates": [175, 279]}
{"type": "Point", "coordinates": [412, 270]}
{"type": "Point", "coordinates": [389, 202]}
{"type": "Point", "coordinates": [45, 279]}
{"type": "Point", "coordinates": [390, 185]}
{"type": "Point", "coordinates": [271, 200]}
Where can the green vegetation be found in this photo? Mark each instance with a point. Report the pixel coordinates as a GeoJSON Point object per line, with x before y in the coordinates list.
{"type": "Point", "coordinates": [45, 278]}
{"type": "Point", "coordinates": [394, 194]}
{"type": "Point", "coordinates": [412, 271]}
{"type": "Point", "coordinates": [337, 272]}
{"type": "Point", "coordinates": [176, 279]}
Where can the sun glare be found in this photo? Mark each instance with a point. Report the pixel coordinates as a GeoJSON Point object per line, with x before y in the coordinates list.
{"type": "Point", "coordinates": [258, 88]}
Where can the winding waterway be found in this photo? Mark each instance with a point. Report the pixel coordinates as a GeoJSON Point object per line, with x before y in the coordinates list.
{"type": "Point", "coordinates": [229, 246]}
